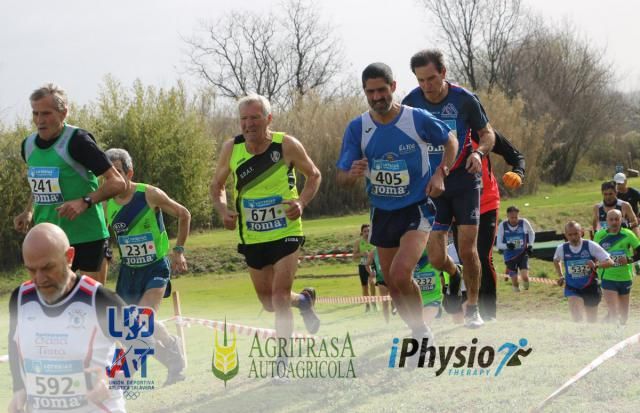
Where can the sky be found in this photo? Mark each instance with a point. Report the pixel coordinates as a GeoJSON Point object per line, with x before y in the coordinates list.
{"type": "Point", "coordinates": [76, 43]}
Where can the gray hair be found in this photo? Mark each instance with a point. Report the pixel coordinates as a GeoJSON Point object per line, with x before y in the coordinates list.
{"type": "Point", "coordinates": [51, 89]}
{"type": "Point", "coordinates": [255, 98]}
{"type": "Point", "coordinates": [117, 154]}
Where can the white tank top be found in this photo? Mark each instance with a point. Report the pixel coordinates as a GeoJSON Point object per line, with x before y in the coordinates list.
{"type": "Point", "coordinates": [56, 344]}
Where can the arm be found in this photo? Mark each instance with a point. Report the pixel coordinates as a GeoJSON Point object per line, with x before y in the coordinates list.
{"type": "Point", "coordinates": [296, 155]}
{"type": "Point", "coordinates": [22, 221]}
{"type": "Point", "coordinates": [511, 155]}
{"type": "Point", "coordinates": [487, 139]}
{"type": "Point", "coordinates": [435, 187]}
{"type": "Point", "coordinates": [112, 185]}
{"type": "Point", "coordinates": [157, 198]}
{"type": "Point", "coordinates": [217, 189]}
{"type": "Point", "coordinates": [558, 267]}
{"type": "Point", "coordinates": [631, 218]}
{"type": "Point", "coordinates": [594, 221]}
{"type": "Point", "coordinates": [356, 250]}
{"type": "Point", "coordinates": [499, 242]}
{"type": "Point", "coordinates": [529, 229]}
{"type": "Point", "coordinates": [352, 164]}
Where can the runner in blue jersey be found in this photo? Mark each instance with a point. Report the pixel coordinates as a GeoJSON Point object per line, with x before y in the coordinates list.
{"type": "Point", "coordinates": [389, 146]}
{"type": "Point", "coordinates": [462, 112]}
{"type": "Point", "coordinates": [580, 258]}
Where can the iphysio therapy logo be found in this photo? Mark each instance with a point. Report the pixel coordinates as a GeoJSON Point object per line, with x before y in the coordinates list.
{"type": "Point", "coordinates": [458, 360]}
{"type": "Point", "coordinates": [224, 363]}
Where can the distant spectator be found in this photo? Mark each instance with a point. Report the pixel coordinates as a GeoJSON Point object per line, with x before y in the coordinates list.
{"type": "Point", "coordinates": [626, 193]}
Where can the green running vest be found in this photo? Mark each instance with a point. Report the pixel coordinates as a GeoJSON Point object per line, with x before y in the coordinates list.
{"type": "Point", "coordinates": [54, 178]}
{"type": "Point", "coordinates": [142, 237]}
{"type": "Point", "coordinates": [262, 182]}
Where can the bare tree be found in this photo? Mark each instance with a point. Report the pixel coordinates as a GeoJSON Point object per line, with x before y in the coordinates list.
{"type": "Point", "coordinates": [460, 22]}
{"type": "Point", "coordinates": [276, 57]}
{"type": "Point", "coordinates": [478, 34]}
{"type": "Point", "coordinates": [241, 53]}
{"type": "Point", "coordinates": [315, 56]}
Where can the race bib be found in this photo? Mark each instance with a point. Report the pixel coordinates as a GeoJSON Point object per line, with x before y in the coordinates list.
{"type": "Point", "coordinates": [517, 241]}
{"type": "Point", "coordinates": [390, 178]}
{"type": "Point", "coordinates": [137, 249]}
{"type": "Point", "coordinates": [425, 280]}
{"type": "Point", "coordinates": [617, 256]}
{"type": "Point", "coordinates": [264, 214]}
{"type": "Point", "coordinates": [45, 185]}
{"type": "Point", "coordinates": [603, 225]}
{"type": "Point", "coordinates": [55, 384]}
{"type": "Point", "coordinates": [578, 268]}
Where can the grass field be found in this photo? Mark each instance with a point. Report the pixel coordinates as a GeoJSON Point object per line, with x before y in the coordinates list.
{"type": "Point", "coordinates": [221, 289]}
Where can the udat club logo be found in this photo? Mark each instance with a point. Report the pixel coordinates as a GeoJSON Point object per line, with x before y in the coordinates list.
{"type": "Point", "coordinates": [460, 361]}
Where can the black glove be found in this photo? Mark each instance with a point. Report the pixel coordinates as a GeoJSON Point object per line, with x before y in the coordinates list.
{"type": "Point", "coordinates": [511, 245]}
{"type": "Point", "coordinates": [529, 250]}
{"type": "Point", "coordinates": [519, 171]}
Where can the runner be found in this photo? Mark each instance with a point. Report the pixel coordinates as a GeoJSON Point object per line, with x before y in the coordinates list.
{"type": "Point", "coordinates": [609, 202]}
{"type": "Point", "coordinates": [430, 280]}
{"type": "Point", "coordinates": [389, 146]}
{"type": "Point", "coordinates": [59, 340]}
{"type": "Point", "coordinates": [580, 258]}
{"type": "Point", "coordinates": [268, 209]}
{"type": "Point", "coordinates": [462, 112]}
{"type": "Point", "coordinates": [374, 262]}
{"type": "Point", "coordinates": [626, 193]}
{"type": "Point", "coordinates": [624, 248]}
{"type": "Point", "coordinates": [361, 251]}
{"type": "Point", "coordinates": [144, 278]}
{"type": "Point", "coordinates": [515, 239]}
{"type": "Point", "coordinates": [63, 165]}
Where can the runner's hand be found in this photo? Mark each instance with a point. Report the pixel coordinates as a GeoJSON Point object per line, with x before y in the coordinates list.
{"type": "Point", "coordinates": [230, 219]}
{"type": "Point", "coordinates": [178, 262]}
{"type": "Point", "coordinates": [561, 281]}
{"type": "Point", "coordinates": [22, 222]}
{"type": "Point", "coordinates": [100, 391]}
{"type": "Point", "coordinates": [18, 401]}
{"type": "Point", "coordinates": [435, 187]}
{"type": "Point", "coordinates": [474, 163]}
{"type": "Point", "coordinates": [71, 209]}
{"type": "Point", "coordinates": [295, 209]}
{"type": "Point", "coordinates": [359, 167]}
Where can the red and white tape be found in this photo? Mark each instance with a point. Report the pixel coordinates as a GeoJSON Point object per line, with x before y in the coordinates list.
{"type": "Point", "coordinates": [589, 368]}
{"type": "Point", "coordinates": [353, 300]}
{"type": "Point", "coordinates": [322, 256]}
{"type": "Point", "coordinates": [238, 328]}
{"type": "Point", "coordinates": [547, 281]}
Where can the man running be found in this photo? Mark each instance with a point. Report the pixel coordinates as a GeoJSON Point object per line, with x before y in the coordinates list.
{"type": "Point", "coordinates": [626, 193]}
{"type": "Point", "coordinates": [268, 209]}
{"type": "Point", "coordinates": [374, 262]}
{"type": "Point", "coordinates": [144, 279]}
{"type": "Point", "coordinates": [430, 281]}
{"type": "Point", "coordinates": [580, 259]}
{"type": "Point", "coordinates": [624, 248]}
{"type": "Point", "coordinates": [389, 146]}
{"type": "Point", "coordinates": [361, 251]}
{"type": "Point", "coordinates": [63, 163]}
{"type": "Point", "coordinates": [461, 111]}
{"type": "Point", "coordinates": [59, 340]}
{"type": "Point", "coordinates": [515, 239]}
{"type": "Point", "coordinates": [610, 201]}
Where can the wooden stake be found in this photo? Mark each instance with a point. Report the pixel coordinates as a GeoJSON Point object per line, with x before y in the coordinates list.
{"type": "Point", "coordinates": [179, 327]}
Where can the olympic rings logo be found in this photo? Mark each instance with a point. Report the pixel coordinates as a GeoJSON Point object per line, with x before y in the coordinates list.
{"type": "Point", "coordinates": [131, 395]}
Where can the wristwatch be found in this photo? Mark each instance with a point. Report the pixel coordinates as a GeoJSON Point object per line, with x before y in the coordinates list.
{"type": "Point", "coordinates": [88, 201]}
{"type": "Point", "coordinates": [444, 169]}
{"type": "Point", "coordinates": [479, 152]}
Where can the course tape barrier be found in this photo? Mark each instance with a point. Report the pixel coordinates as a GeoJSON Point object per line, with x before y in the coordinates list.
{"type": "Point", "coordinates": [352, 300]}
{"type": "Point", "coordinates": [589, 368]}
{"type": "Point", "coordinates": [238, 328]}
{"type": "Point", "coordinates": [323, 256]}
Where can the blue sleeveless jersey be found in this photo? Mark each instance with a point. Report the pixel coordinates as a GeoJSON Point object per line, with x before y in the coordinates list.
{"type": "Point", "coordinates": [398, 155]}
{"type": "Point", "coordinates": [577, 273]}
{"type": "Point", "coordinates": [461, 111]}
{"type": "Point", "coordinates": [518, 236]}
